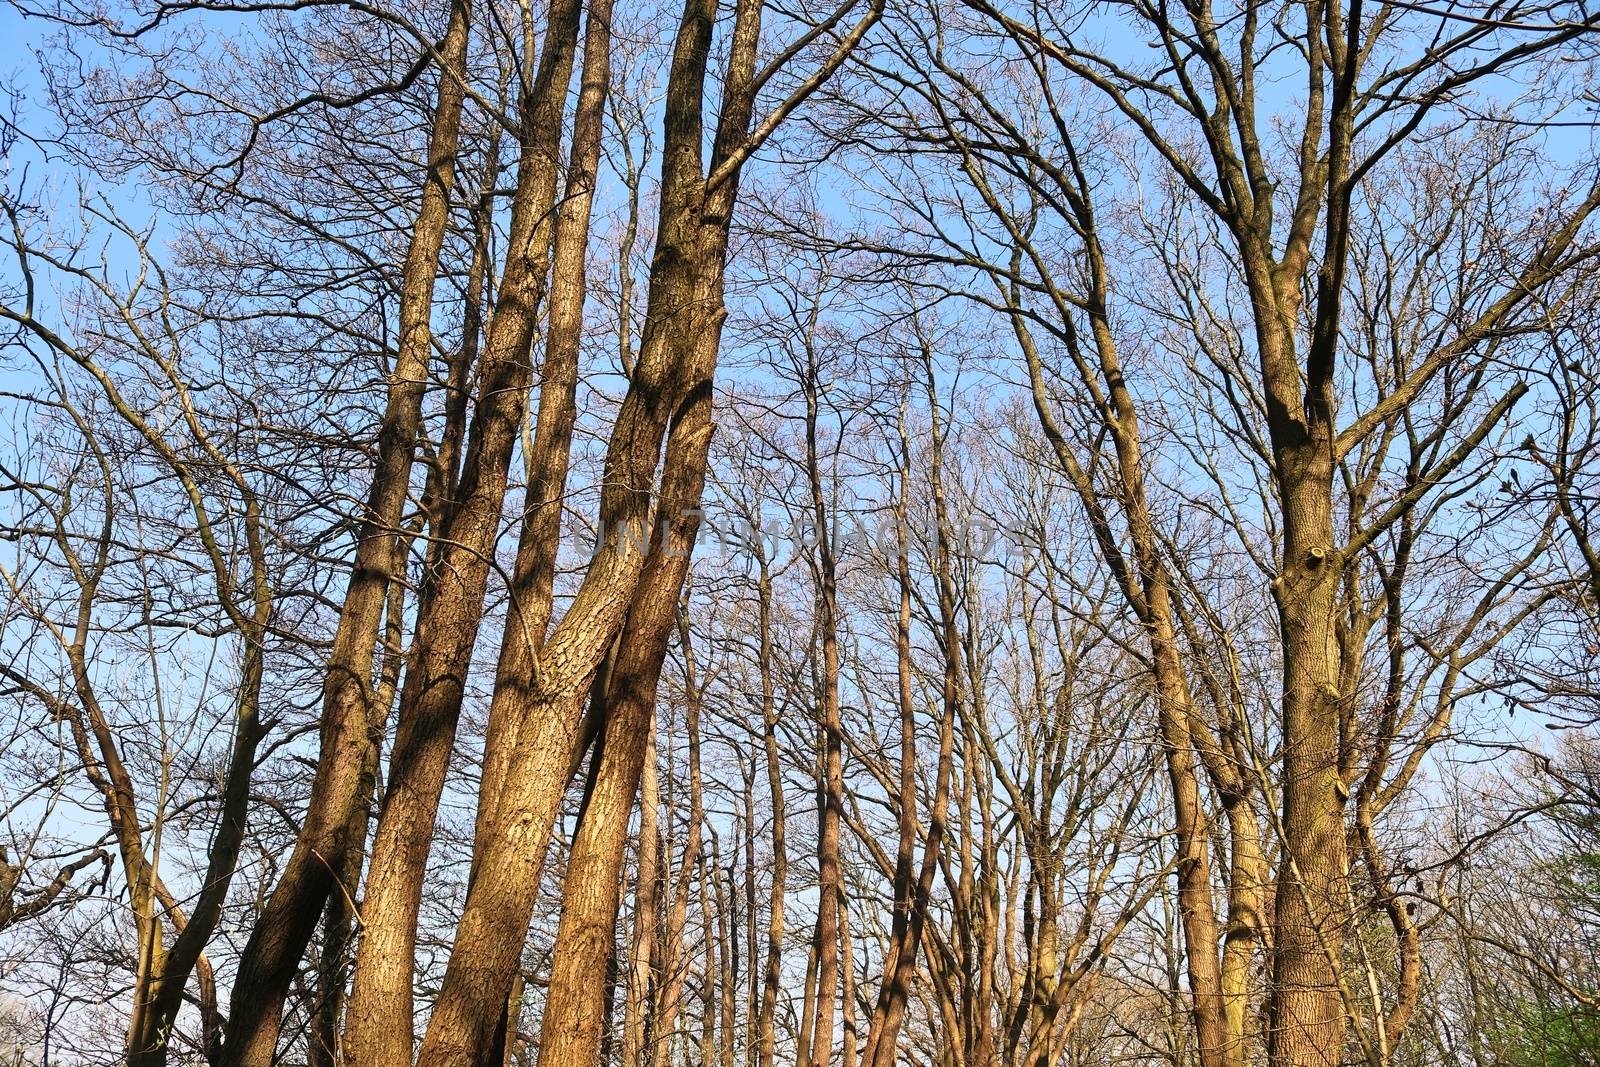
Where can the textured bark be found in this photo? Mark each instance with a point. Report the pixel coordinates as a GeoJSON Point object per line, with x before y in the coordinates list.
{"type": "Point", "coordinates": [1306, 1021]}
{"type": "Point", "coordinates": [500, 898]}
{"type": "Point", "coordinates": [625, 693]}
{"type": "Point", "coordinates": [451, 603]}
{"type": "Point", "coordinates": [336, 810]}
{"type": "Point", "coordinates": [574, 1007]}
{"type": "Point", "coordinates": [637, 1029]}
{"type": "Point", "coordinates": [1248, 879]}
{"type": "Point", "coordinates": [340, 917]}
{"type": "Point", "coordinates": [772, 966]}
{"type": "Point", "coordinates": [533, 574]}
{"type": "Point", "coordinates": [324, 1047]}
{"type": "Point", "coordinates": [684, 316]}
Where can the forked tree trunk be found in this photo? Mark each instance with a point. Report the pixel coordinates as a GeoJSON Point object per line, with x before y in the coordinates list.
{"type": "Point", "coordinates": [340, 915]}
{"type": "Point", "coordinates": [683, 321]}
{"type": "Point", "coordinates": [539, 543]}
{"type": "Point", "coordinates": [1146, 584]}
{"type": "Point", "coordinates": [625, 693]}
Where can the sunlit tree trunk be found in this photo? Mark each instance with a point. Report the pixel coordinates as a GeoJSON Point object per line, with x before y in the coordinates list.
{"type": "Point", "coordinates": [336, 811]}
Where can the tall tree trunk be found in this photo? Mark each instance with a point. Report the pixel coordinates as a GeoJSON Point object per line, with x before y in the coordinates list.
{"type": "Point", "coordinates": [674, 966]}
{"type": "Point", "coordinates": [637, 1029]}
{"type": "Point", "coordinates": [1306, 1013]}
{"type": "Point", "coordinates": [549, 458]}
{"type": "Point", "coordinates": [683, 325]}
{"type": "Point", "coordinates": [911, 896]}
{"type": "Point", "coordinates": [340, 914]}
{"type": "Point", "coordinates": [830, 886]}
{"type": "Point", "coordinates": [625, 695]}
{"type": "Point", "coordinates": [708, 968]}
{"type": "Point", "coordinates": [1146, 584]}
{"type": "Point", "coordinates": [336, 810]}
{"type": "Point", "coordinates": [808, 1014]}
{"type": "Point", "coordinates": [1306, 1020]}
{"type": "Point", "coordinates": [772, 967]}
{"type": "Point", "coordinates": [1247, 884]}
{"type": "Point", "coordinates": [728, 934]}
{"type": "Point", "coordinates": [451, 603]}
{"type": "Point", "coordinates": [752, 948]}
{"type": "Point", "coordinates": [847, 987]}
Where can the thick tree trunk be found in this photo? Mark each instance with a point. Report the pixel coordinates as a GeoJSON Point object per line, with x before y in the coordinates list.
{"type": "Point", "coordinates": [570, 1030]}
{"type": "Point", "coordinates": [501, 896]}
{"type": "Point", "coordinates": [538, 547]}
{"type": "Point", "coordinates": [1306, 1020]}
{"type": "Point", "coordinates": [682, 326]}
{"type": "Point", "coordinates": [451, 604]}
{"type": "Point", "coordinates": [338, 934]}
{"type": "Point", "coordinates": [1247, 885]}
{"type": "Point", "coordinates": [336, 810]}
{"type": "Point", "coordinates": [340, 915]}
{"type": "Point", "coordinates": [625, 694]}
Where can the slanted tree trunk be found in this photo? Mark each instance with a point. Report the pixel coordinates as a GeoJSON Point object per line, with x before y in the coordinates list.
{"type": "Point", "coordinates": [451, 604]}
{"type": "Point", "coordinates": [339, 918]}
{"type": "Point", "coordinates": [539, 543]}
{"type": "Point", "coordinates": [912, 893]}
{"type": "Point", "coordinates": [830, 886]}
{"type": "Point", "coordinates": [675, 364]}
{"type": "Point", "coordinates": [625, 696]}
{"type": "Point", "coordinates": [336, 809]}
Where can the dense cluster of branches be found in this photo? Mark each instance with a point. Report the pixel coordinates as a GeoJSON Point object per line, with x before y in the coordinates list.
{"type": "Point", "coordinates": [946, 532]}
